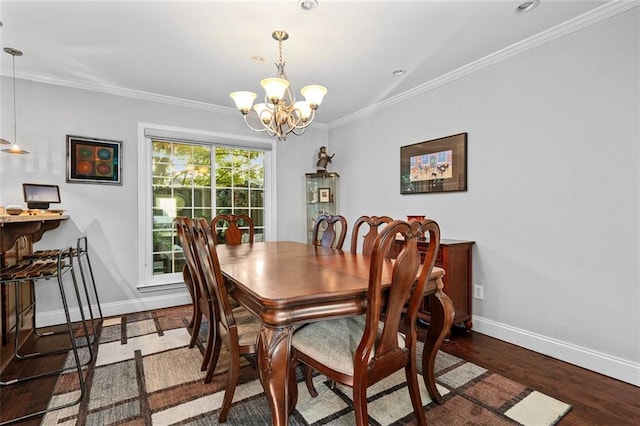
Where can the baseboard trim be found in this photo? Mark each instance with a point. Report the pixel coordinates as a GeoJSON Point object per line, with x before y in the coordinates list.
{"type": "Point", "coordinates": [117, 308]}
{"type": "Point", "coordinates": [599, 362]}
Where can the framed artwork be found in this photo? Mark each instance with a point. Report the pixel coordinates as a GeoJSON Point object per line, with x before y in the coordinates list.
{"type": "Point", "coordinates": [324, 195]}
{"type": "Point", "coordinates": [91, 160]}
{"type": "Point", "coordinates": [438, 165]}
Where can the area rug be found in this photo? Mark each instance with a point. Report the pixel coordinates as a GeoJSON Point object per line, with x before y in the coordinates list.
{"type": "Point", "coordinates": [145, 374]}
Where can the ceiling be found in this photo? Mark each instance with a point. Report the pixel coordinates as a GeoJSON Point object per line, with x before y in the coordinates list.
{"type": "Point", "coordinates": [201, 51]}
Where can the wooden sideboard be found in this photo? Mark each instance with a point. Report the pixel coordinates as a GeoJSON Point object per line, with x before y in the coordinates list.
{"type": "Point", "coordinates": [17, 236]}
{"type": "Point", "coordinates": [454, 256]}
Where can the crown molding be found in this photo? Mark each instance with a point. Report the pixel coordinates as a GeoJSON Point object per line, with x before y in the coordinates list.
{"type": "Point", "coordinates": [137, 94]}
{"type": "Point", "coordinates": [128, 93]}
{"type": "Point", "coordinates": [571, 26]}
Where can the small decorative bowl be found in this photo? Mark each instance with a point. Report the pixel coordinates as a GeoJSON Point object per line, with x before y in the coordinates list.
{"type": "Point", "coordinates": [14, 210]}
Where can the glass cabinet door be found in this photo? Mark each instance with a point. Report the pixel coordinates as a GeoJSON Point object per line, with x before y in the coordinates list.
{"type": "Point", "coordinates": [322, 197]}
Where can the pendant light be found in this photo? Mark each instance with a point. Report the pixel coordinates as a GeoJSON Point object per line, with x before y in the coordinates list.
{"type": "Point", "coordinates": [15, 149]}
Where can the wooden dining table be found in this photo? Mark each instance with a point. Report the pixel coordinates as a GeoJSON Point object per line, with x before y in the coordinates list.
{"type": "Point", "coordinates": [286, 284]}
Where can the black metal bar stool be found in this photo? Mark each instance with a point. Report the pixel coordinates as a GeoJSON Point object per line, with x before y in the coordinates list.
{"type": "Point", "coordinates": [73, 256]}
{"type": "Point", "coordinates": [82, 254]}
{"type": "Point", "coordinates": [38, 271]}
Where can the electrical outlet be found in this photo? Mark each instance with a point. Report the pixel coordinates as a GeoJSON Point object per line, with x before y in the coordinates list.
{"type": "Point", "coordinates": [478, 292]}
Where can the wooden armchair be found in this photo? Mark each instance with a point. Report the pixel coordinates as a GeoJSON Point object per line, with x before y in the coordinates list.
{"type": "Point", "coordinates": [359, 351]}
{"type": "Point", "coordinates": [374, 223]}
{"type": "Point", "coordinates": [236, 327]}
{"type": "Point", "coordinates": [331, 237]}
{"type": "Point", "coordinates": [231, 228]}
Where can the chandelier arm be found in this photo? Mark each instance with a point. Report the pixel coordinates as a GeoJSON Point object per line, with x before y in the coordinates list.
{"type": "Point", "coordinates": [306, 123]}
{"type": "Point", "coordinates": [272, 133]}
{"type": "Point", "coordinates": [271, 128]}
{"type": "Point", "coordinates": [300, 131]}
{"type": "Point", "coordinates": [249, 125]}
{"type": "Point", "coordinates": [291, 93]}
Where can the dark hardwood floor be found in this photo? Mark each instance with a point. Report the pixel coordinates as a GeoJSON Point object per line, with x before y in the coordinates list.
{"type": "Point", "coordinates": [30, 396]}
{"type": "Point", "coordinates": [596, 399]}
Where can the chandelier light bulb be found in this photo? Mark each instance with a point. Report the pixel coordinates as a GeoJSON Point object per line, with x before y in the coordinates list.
{"type": "Point", "coordinates": [314, 94]}
{"type": "Point", "coordinates": [264, 112]}
{"type": "Point", "coordinates": [243, 100]}
{"type": "Point", "coordinates": [274, 88]}
{"type": "Point", "coordinates": [303, 110]}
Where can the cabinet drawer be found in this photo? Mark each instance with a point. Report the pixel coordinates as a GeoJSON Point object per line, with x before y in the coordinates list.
{"type": "Point", "coordinates": [439, 257]}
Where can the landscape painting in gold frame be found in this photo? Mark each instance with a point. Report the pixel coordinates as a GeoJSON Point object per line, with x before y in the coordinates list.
{"type": "Point", "coordinates": [438, 165]}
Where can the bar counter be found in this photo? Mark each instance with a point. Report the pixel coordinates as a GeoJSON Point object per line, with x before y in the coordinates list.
{"type": "Point", "coordinates": [18, 233]}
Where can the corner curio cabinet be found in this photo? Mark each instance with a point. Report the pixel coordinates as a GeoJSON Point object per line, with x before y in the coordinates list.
{"type": "Point", "coordinates": [322, 197]}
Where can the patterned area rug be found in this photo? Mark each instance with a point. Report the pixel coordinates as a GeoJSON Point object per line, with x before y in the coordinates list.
{"type": "Point", "coordinates": [145, 374]}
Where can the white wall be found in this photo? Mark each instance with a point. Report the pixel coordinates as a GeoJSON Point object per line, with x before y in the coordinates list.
{"type": "Point", "coordinates": [108, 214]}
{"type": "Point", "coordinates": [553, 190]}
{"type": "Point", "coordinates": [296, 156]}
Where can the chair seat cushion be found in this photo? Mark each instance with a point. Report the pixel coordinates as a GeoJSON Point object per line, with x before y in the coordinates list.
{"type": "Point", "coordinates": [248, 326]}
{"type": "Point", "coordinates": [334, 342]}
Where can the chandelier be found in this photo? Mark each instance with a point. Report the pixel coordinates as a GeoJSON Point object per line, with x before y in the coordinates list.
{"type": "Point", "coordinates": [280, 114]}
{"type": "Point", "coordinates": [15, 149]}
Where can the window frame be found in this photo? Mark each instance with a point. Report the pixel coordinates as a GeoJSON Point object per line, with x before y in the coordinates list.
{"type": "Point", "coordinates": [147, 281]}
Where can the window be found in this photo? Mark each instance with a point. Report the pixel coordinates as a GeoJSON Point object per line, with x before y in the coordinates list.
{"type": "Point", "coordinates": [181, 186]}
{"type": "Point", "coordinates": [196, 178]}
{"type": "Point", "coordinates": [240, 186]}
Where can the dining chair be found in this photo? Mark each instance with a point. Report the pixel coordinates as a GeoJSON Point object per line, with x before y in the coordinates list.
{"type": "Point", "coordinates": [359, 351]}
{"type": "Point", "coordinates": [230, 229]}
{"type": "Point", "coordinates": [331, 237]}
{"type": "Point", "coordinates": [236, 327]}
{"type": "Point", "coordinates": [203, 304]}
{"type": "Point", "coordinates": [369, 238]}
{"type": "Point", "coordinates": [188, 282]}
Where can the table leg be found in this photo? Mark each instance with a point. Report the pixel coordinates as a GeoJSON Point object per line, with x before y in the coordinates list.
{"type": "Point", "coordinates": [442, 313]}
{"type": "Point", "coordinates": [274, 347]}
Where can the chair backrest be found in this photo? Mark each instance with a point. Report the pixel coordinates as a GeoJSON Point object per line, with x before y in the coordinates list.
{"type": "Point", "coordinates": [331, 237]}
{"type": "Point", "coordinates": [230, 227]}
{"type": "Point", "coordinates": [387, 354]}
{"type": "Point", "coordinates": [186, 232]}
{"type": "Point", "coordinates": [212, 276]}
{"type": "Point", "coordinates": [374, 223]}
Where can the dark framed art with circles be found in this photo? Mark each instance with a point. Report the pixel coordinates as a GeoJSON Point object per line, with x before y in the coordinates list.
{"type": "Point", "coordinates": [91, 160]}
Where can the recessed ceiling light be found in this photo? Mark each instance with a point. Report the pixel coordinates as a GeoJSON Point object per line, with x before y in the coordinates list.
{"type": "Point", "coordinates": [398, 72]}
{"type": "Point", "coordinates": [257, 59]}
{"type": "Point", "coordinates": [308, 4]}
{"type": "Point", "coordinates": [527, 6]}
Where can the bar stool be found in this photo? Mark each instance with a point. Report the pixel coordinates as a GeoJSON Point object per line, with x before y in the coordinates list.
{"type": "Point", "coordinates": [83, 253]}
{"type": "Point", "coordinates": [75, 258]}
{"type": "Point", "coordinates": [86, 274]}
{"type": "Point", "coordinates": [38, 271]}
